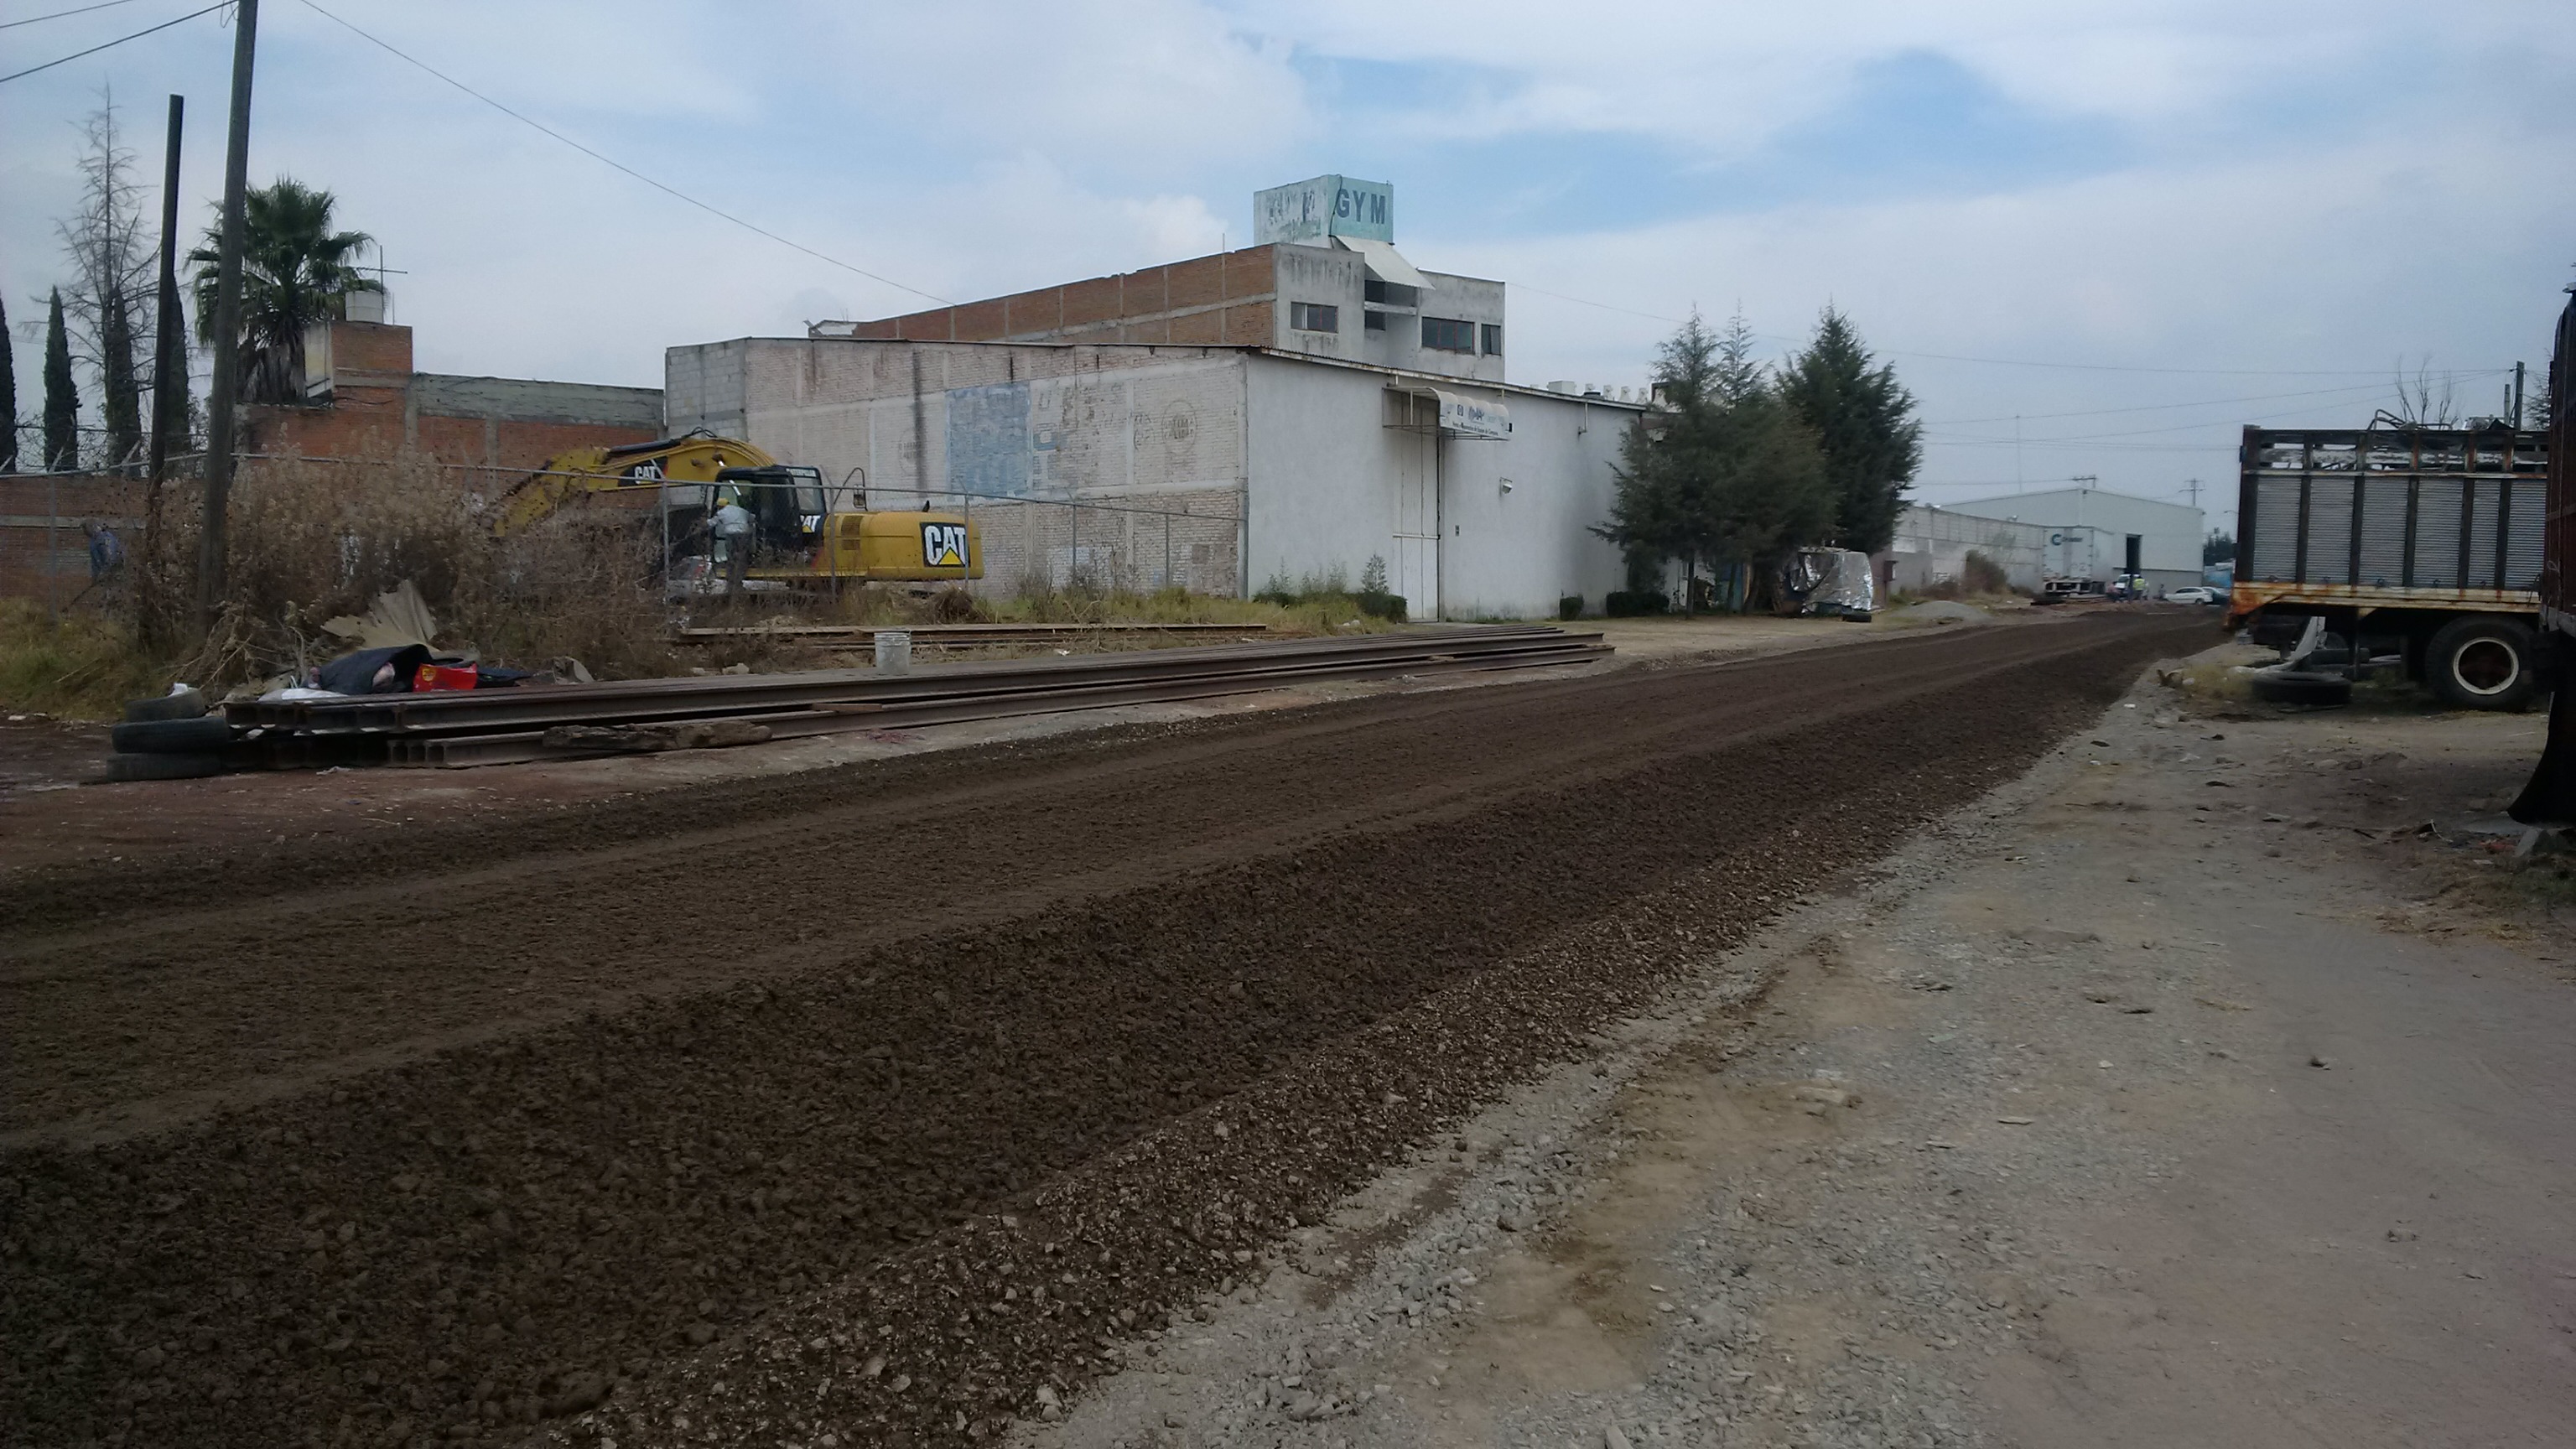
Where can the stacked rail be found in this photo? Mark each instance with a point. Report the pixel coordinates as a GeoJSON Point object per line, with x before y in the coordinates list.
{"type": "Point", "coordinates": [830, 636]}
{"type": "Point", "coordinates": [502, 726]}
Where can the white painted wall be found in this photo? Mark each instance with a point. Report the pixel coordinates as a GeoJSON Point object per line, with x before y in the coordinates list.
{"type": "Point", "coordinates": [2169, 533]}
{"type": "Point", "coordinates": [1512, 555]}
{"type": "Point", "coordinates": [1301, 450]}
{"type": "Point", "coordinates": [1332, 485]}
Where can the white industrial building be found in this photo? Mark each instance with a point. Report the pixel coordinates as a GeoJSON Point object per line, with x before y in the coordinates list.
{"type": "Point", "coordinates": [1288, 411]}
{"type": "Point", "coordinates": [1931, 546]}
{"type": "Point", "coordinates": [2093, 533]}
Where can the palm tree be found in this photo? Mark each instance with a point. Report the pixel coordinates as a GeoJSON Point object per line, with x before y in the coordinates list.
{"type": "Point", "coordinates": [296, 271]}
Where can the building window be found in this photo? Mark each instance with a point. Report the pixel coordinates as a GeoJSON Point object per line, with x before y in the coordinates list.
{"type": "Point", "coordinates": [1392, 294]}
{"type": "Point", "coordinates": [1314, 317]}
{"type": "Point", "coordinates": [1493, 339]}
{"type": "Point", "coordinates": [1373, 321]}
{"type": "Point", "coordinates": [1442, 334]}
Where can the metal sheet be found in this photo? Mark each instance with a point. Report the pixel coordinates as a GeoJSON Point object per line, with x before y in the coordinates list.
{"type": "Point", "coordinates": [2523, 544]}
{"type": "Point", "coordinates": [2383, 532]}
{"type": "Point", "coordinates": [2330, 529]}
{"type": "Point", "coordinates": [2486, 514]}
{"type": "Point", "coordinates": [1385, 263]}
{"type": "Point", "coordinates": [2437, 534]}
{"type": "Point", "coordinates": [2276, 527]}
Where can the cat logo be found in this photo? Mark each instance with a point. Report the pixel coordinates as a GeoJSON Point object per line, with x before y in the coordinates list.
{"type": "Point", "coordinates": [943, 545]}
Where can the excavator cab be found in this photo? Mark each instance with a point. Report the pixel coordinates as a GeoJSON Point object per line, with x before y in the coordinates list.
{"type": "Point", "coordinates": [786, 506]}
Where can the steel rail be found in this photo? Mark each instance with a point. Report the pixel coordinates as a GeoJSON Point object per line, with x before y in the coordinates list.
{"type": "Point", "coordinates": [644, 700]}
{"type": "Point", "coordinates": [455, 752]}
{"type": "Point", "coordinates": [955, 633]}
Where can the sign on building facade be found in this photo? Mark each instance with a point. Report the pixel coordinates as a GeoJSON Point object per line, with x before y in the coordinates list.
{"type": "Point", "coordinates": [1309, 211]}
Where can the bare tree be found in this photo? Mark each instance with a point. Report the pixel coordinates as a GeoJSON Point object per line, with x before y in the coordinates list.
{"type": "Point", "coordinates": [111, 302]}
{"type": "Point", "coordinates": [2422, 402]}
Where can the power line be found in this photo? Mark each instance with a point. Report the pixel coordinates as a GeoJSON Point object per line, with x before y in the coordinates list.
{"type": "Point", "coordinates": [2449, 375]}
{"type": "Point", "coordinates": [2168, 407]}
{"type": "Point", "coordinates": [63, 14]}
{"type": "Point", "coordinates": [618, 165]}
{"type": "Point", "coordinates": [120, 40]}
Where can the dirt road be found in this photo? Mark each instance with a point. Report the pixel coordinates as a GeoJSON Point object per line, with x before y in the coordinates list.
{"type": "Point", "coordinates": [869, 1103]}
{"type": "Point", "coordinates": [2207, 1087]}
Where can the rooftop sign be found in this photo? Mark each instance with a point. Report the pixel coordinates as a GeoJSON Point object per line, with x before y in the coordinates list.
{"type": "Point", "coordinates": [1328, 206]}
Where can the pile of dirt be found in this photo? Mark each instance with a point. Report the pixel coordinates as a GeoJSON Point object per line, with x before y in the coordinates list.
{"type": "Point", "coordinates": [894, 1188]}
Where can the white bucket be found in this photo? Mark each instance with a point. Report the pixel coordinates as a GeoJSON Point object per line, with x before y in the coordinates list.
{"type": "Point", "coordinates": [894, 651]}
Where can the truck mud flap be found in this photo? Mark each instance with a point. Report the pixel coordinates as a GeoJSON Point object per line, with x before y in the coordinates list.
{"type": "Point", "coordinates": [2550, 796]}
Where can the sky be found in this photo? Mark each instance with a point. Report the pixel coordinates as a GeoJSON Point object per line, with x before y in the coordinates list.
{"type": "Point", "coordinates": [2093, 240]}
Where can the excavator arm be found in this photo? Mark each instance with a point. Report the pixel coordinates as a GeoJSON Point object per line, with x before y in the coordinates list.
{"type": "Point", "coordinates": [693, 457]}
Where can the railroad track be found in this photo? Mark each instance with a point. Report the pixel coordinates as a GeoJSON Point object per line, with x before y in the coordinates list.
{"type": "Point", "coordinates": [490, 727]}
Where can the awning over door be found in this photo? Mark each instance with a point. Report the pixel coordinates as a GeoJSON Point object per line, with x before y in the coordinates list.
{"type": "Point", "coordinates": [1384, 262]}
{"type": "Point", "coordinates": [1454, 414]}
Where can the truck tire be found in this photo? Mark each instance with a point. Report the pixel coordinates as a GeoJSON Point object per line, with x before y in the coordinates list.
{"type": "Point", "coordinates": [124, 768]}
{"type": "Point", "coordinates": [2482, 663]}
{"type": "Point", "coordinates": [170, 736]}
{"type": "Point", "coordinates": [184, 704]}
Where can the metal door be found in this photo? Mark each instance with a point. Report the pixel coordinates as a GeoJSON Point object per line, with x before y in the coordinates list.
{"type": "Point", "coordinates": [1414, 570]}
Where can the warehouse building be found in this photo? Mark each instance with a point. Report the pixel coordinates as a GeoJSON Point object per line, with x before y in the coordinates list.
{"type": "Point", "coordinates": [2093, 533]}
{"type": "Point", "coordinates": [1296, 410]}
{"type": "Point", "coordinates": [1931, 547]}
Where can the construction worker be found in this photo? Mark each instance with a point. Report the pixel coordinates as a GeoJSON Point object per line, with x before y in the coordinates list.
{"type": "Point", "coordinates": [732, 528]}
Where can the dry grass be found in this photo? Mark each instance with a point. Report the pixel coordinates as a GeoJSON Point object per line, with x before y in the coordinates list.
{"type": "Point", "coordinates": [83, 666]}
{"type": "Point", "coordinates": [310, 541]}
{"type": "Point", "coordinates": [307, 542]}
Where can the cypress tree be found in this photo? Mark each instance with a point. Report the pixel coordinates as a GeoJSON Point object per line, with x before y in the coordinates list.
{"type": "Point", "coordinates": [120, 400]}
{"type": "Point", "coordinates": [62, 400]}
{"type": "Point", "coordinates": [1863, 421]}
{"type": "Point", "coordinates": [8, 396]}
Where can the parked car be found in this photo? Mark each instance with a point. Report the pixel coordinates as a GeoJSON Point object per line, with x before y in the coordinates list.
{"type": "Point", "coordinates": [2195, 594]}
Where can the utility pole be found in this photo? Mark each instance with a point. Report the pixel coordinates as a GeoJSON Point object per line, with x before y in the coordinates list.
{"type": "Point", "coordinates": [2517, 394]}
{"type": "Point", "coordinates": [2194, 486]}
{"type": "Point", "coordinates": [228, 288]}
{"type": "Point", "coordinates": [168, 336]}
{"type": "Point", "coordinates": [169, 384]}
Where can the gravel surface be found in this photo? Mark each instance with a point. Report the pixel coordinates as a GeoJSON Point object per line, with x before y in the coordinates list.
{"type": "Point", "coordinates": [2106, 1111]}
{"type": "Point", "coordinates": [884, 1104]}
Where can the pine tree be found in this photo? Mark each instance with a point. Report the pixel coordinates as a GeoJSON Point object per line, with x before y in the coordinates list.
{"type": "Point", "coordinates": [1862, 419]}
{"type": "Point", "coordinates": [1768, 491]}
{"type": "Point", "coordinates": [1656, 508]}
{"type": "Point", "coordinates": [1722, 472]}
{"type": "Point", "coordinates": [8, 396]}
{"type": "Point", "coordinates": [62, 401]}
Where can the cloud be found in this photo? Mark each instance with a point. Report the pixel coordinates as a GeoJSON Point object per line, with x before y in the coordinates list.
{"type": "Point", "coordinates": [2307, 184]}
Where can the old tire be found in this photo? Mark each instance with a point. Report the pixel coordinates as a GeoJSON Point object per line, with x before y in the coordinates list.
{"type": "Point", "coordinates": [2482, 663]}
{"type": "Point", "coordinates": [2302, 686]}
{"type": "Point", "coordinates": [185, 704]}
{"type": "Point", "coordinates": [163, 767]}
{"type": "Point", "coordinates": [170, 736]}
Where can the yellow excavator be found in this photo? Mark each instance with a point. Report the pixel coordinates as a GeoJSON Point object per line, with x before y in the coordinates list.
{"type": "Point", "coordinates": [804, 531]}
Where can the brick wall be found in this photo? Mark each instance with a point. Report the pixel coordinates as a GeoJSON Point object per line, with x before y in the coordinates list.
{"type": "Point", "coordinates": [44, 556]}
{"type": "Point", "coordinates": [1222, 299]}
{"type": "Point", "coordinates": [377, 407]}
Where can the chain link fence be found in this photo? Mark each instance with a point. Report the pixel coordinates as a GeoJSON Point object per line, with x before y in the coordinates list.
{"type": "Point", "coordinates": [1190, 540]}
